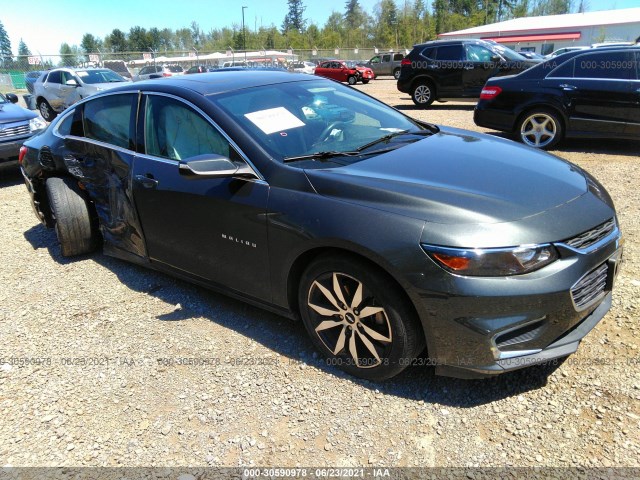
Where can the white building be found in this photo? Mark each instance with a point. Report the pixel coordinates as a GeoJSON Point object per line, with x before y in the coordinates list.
{"type": "Point", "coordinates": [548, 33]}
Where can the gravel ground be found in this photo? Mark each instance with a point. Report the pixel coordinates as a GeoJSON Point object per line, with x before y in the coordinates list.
{"type": "Point", "coordinates": [103, 363]}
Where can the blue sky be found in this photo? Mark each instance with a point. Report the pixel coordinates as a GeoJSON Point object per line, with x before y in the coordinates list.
{"type": "Point", "coordinates": [45, 24]}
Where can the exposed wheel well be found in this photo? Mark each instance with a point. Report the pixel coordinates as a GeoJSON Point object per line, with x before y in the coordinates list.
{"type": "Point", "coordinates": [304, 260]}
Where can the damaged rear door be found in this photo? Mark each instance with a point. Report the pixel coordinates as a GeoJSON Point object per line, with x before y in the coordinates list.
{"type": "Point", "coordinates": [100, 153]}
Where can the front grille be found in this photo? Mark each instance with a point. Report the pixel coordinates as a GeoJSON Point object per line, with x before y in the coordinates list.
{"type": "Point", "coordinates": [15, 130]}
{"type": "Point", "coordinates": [45, 157]}
{"type": "Point", "coordinates": [590, 288]}
{"type": "Point", "coordinates": [591, 237]}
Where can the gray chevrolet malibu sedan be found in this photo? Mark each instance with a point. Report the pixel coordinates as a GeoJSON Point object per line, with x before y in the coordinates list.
{"type": "Point", "coordinates": [383, 234]}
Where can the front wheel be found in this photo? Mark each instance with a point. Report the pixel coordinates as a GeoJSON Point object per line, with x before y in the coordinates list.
{"type": "Point", "coordinates": [352, 80]}
{"type": "Point", "coordinates": [540, 129]}
{"type": "Point", "coordinates": [46, 111]}
{"type": "Point", "coordinates": [356, 319]}
{"type": "Point", "coordinates": [365, 81]}
{"type": "Point", "coordinates": [396, 73]}
{"type": "Point", "coordinates": [423, 94]}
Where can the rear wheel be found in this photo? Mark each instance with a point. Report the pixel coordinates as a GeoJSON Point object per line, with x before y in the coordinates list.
{"type": "Point", "coordinates": [540, 129]}
{"type": "Point", "coordinates": [352, 80]}
{"type": "Point", "coordinates": [423, 94]}
{"type": "Point", "coordinates": [72, 217]}
{"type": "Point", "coordinates": [359, 321]}
{"type": "Point", "coordinates": [46, 111]}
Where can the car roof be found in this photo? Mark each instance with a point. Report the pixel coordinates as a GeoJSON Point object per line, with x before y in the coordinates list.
{"type": "Point", "coordinates": [549, 64]}
{"type": "Point", "coordinates": [220, 81]}
{"type": "Point", "coordinates": [452, 41]}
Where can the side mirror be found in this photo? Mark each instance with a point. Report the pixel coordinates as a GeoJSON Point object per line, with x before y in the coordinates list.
{"type": "Point", "coordinates": [71, 82]}
{"type": "Point", "coordinates": [215, 166]}
{"type": "Point", "coordinates": [496, 58]}
{"type": "Point", "coordinates": [12, 97]}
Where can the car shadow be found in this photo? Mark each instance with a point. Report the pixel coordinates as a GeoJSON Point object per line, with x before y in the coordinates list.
{"type": "Point", "coordinates": [438, 106]}
{"type": "Point", "coordinates": [600, 146]}
{"type": "Point", "coordinates": [416, 382]}
{"type": "Point", "coordinates": [10, 176]}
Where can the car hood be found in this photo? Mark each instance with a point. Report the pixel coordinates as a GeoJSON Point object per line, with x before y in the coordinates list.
{"type": "Point", "coordinates": [10, 112]}
{"type": "Point", "coordinates": [97, 87]}
{"type": "Point", "coordinates": [456, 177]}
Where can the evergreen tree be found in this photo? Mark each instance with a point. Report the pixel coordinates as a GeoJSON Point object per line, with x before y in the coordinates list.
{"type": "Point", "coordinates": [23, 50]}
{"type": "Point", "coordinates": [116, 41]}
{"type": "Point", "coordinates": [6, 56]}
{"type": "Point", "coordinates": [294, 19]}
{"type": "Point", "coordinates": [68, 56]}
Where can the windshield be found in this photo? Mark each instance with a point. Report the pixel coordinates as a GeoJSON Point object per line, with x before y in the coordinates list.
{"type": "Point", "coordinates": [507, 53]}
{"type": "Point", "coordinates": [99, 76]}
{"type": "Point", "coordinates": [307, 117]}
{"type": "Point", "coordinates": [174, 68]}
{"type": "Point", "coordinates": [3, 99]}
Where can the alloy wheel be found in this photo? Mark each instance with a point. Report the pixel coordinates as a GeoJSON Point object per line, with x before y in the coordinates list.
{"type": "Point", "coordinates": [348, 320]}
{"type": "Point", "coordinates": [539, 130]}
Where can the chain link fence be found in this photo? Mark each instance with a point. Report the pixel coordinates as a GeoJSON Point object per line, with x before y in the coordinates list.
{"type": "Point", "coordinates": [19, 73]}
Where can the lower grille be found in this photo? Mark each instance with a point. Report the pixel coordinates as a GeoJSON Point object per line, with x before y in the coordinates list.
{"type": "Point", "coordinates": [15, 131]}
{"type": "Point", "coordinates": [590, 288]}
{"type": "Point", "coordinates": [519, 335]}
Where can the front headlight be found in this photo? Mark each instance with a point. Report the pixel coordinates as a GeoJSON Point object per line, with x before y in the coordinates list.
{"type": "Point", "coordinates": [36, 124]}
{"type": "Point", "coordinates": [492, 262]}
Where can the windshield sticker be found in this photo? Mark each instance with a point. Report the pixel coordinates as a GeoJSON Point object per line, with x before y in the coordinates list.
{"type": "Point", "coordinates": [274, 120]}
{"type": "Point", "coordinates": [82, 74]}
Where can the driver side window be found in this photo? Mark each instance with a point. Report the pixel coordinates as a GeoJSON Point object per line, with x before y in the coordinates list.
{"type": "Point", "coordinates": [176, 131]}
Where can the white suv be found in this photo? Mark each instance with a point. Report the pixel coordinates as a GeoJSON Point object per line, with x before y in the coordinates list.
{"type": "Point", "coordinates": [56, 89]}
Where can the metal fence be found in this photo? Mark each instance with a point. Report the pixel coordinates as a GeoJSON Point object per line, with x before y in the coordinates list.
{"type": "Point", "coordinates": [14, 71]}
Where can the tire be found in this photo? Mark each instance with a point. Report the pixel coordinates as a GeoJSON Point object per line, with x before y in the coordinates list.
{"type": "Point", "coordinates": [352, 80]}
{"type": "Point", "coordinates": [385, 340]}
{"type": "Point", "coordinates": [72, 217]}
{"type": "Point", "coordinates": [46, 111]}
{"type": "Point", "coordinates": [396, 73]}
{"type": "Point", "coordinates": [423, 94]}
{"type": "Point", "coordinates": [365, 81]}
{"type": "Point", "coordinates": [540, 128]}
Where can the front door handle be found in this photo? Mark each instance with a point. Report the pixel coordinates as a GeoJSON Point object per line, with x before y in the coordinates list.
{"type": "Point", "coordinates": [147, 181]}
{"type": "Point", "coordinates": [568, 88]}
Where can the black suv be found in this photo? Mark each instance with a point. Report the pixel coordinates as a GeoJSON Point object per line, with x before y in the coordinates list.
{"type": "Point", "coordinates": [585, 93]}
{"type": "Point", "coordinates": [456, 69]}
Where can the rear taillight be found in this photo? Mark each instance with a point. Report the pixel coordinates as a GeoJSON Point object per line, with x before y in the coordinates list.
{"type": "Point", "coordinates": [21, 155]}
{"type": "Point", "coordinates": [489, 93]}
{"type": "Point", "coordinates": [405, 61]}
{"type": "Point", "coordinates": [166, 74]}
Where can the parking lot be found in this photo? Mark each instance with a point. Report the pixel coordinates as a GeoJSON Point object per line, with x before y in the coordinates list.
{"type": "Point", "coordinates": [106, 363]}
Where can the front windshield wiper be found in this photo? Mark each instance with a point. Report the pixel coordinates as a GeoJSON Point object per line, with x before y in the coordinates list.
{"type": "Point", "coordinates": [321, 156]}
{"type": "Point", "coordinates": [388, 137]}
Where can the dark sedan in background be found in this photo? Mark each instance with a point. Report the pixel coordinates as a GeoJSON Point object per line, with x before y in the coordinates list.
{"type": "Point", "coordinates": [592, 93]}
{"type": "Point", "coordinates": [316, 201]}
{"type": "Point", "coordinates": [16, 125]}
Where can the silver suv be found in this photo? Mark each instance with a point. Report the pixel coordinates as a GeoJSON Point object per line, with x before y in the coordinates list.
{"type": "Point", "coordinates": [157, 71]}
{"type": "Point", "coordinates": [57, 89]}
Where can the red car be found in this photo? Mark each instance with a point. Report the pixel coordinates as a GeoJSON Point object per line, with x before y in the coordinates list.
{"type": "Point", "coordinates": [338, 70]}
{"type": "Point", "coordinates": [366, 74]}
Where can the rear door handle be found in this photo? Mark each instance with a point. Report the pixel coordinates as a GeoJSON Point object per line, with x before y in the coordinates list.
{"type": "Point", "coordinates": [568, 88]}
{"type": "Point", "coordinates": [147, 181]}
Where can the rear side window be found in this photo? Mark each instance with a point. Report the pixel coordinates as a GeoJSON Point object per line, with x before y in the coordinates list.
{"type": "Point", "coordinates": [109, 119]}
{"type": "Point", "coordinates": [616, 65]}
{"type": "Point", "coordinates": [563, 71]}
{"type": "Point", "coordinates": [429, 52]}
{"type": "Point", "coordinates": [397, 57]}
{"type": "Point", "coordinates": [450, 52]}
{"type": "Point", "coordinates": [54, 77]}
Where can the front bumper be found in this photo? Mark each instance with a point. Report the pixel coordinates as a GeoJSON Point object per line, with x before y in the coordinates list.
{"type": "Point", "coordinates": [479, 326]}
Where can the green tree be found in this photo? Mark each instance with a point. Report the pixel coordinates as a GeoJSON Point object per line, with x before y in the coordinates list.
{"type": "Point", "coordinates": [23, 50]}
{"type": "Point", "coordinates": [138, 39]}
{"type": "Point", "coordinates": [68, 55]}
{"type": "Point", "coordinates": [6, 56]}
{"type": "Point", "coordinates": [90, 44]}
{"type": "Point", "coordinates": [294, 19]}
{"type": "Point", "coordinates": [116, 41]}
